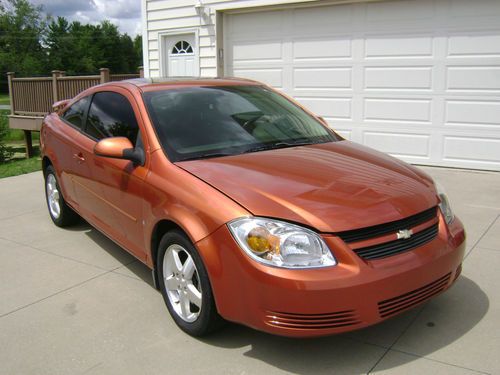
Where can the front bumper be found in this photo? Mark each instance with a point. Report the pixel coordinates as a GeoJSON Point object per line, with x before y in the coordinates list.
{"type": "Point", "coordinates": [315, 302]}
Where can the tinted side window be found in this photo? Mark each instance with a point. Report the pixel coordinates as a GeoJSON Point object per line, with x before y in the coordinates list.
{"type": "Point", "coordinates": [111, 115]}
{"type": "Point", "coordinates": [75, 114]}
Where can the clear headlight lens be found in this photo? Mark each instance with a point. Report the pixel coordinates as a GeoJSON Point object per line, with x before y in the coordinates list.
{"type": "Point", "coordinates": [445, 204]}
{"type": "Point", "coordinates": [281, 244]}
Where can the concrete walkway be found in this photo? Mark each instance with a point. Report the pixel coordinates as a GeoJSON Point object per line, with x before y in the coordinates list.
{"type": "Point", "coordinates": [4, 107]}
{"type": "Point", "coordinates": [72, 302]}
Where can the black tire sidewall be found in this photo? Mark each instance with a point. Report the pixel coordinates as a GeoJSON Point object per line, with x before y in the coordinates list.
{"type": "Point", "coordinates": [208, 318]}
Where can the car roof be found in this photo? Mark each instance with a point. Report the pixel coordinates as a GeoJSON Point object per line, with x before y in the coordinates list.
{"type": "Point", "coordinates": [153, 84]}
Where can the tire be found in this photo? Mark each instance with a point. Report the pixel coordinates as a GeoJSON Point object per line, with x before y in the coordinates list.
{"type": "Point", "coordinates": [60, 213]}
{"type": "Point", "coordinates": [185, 286]}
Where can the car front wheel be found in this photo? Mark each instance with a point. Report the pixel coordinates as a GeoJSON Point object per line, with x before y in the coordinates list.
{"type": "Point", "coordinates": [60, 213]}
{"type": "Point", "coordinates": [185, 285]}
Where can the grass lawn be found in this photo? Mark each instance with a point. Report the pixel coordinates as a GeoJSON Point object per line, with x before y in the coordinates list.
{"type": "Point", "coordinates": [14, 139]}
{"type": "Point", "coordinates": [16, 167]}
{"type": "Point", "coordinates": [18, 135]}
{"type": "Point", "coordinates": [19, 164]}
{"type": "Point", "coordinates": [4, 99]}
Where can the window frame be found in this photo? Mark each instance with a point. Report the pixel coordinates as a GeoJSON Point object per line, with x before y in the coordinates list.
{"type": "Point", "coordinates": [142, 133]}
{"type": "Point", "coordinates": [183, 51]}
{"type": "Point", "coordinates": [84, 129]}
{"type": "Point", "coordinates": [85, 113]}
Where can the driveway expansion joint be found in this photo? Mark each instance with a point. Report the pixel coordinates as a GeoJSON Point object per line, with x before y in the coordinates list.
{"type": "Point", "coordinates": [482, 236]}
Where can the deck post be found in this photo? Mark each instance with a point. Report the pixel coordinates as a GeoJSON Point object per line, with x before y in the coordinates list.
{"type": "Point", "coordinates": [10, 76]}
{"type": "Point", "coordinates": [29, 144]}
{"type": "Point", "coordinates": [55, 92]}
{"type": "Point", "coordinates": [104, 75]}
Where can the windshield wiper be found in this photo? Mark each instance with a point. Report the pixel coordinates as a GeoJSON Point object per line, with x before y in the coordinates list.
{"type": "Point", "coordinates": [281, 144]}
{"type": "Point", "coordinates": [262, 147]}
{"type": "Point", "coordinates": [208, 155]}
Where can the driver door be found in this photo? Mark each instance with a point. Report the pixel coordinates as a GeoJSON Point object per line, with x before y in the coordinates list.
{"type": "Point", "coordinates": [114, 192]}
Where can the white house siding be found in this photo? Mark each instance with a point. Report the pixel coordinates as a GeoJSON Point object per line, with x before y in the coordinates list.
{"type": "Point", "coordinates": [419, 79]}
{"type": "Point", "coordinates": [165, 15]}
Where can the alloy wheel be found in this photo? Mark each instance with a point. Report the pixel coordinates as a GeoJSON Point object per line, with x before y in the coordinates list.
{"type": "Point", "coordinates": [182, 283]}
{"type": "Point", "coordinates": [53, 196]}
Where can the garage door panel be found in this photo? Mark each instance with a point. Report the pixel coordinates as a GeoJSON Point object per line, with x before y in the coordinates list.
{"type": "Point", "coordinates": [257, 50]}
{"type": "Point", "coordinates": [399, 12]}
{"type": "Point", "coordinates": [398, 78]}
{"type": "Point", "coordinates": [473, 78]}
{"type": "Point", "coordinates": [474, 44]}
{"type": "Point", "coordinates": [471, 149]}
{"type": "Point", "coordinates": [269, 23]}
{"type": "Point", "coordinates": [318, 19]}
{"type": "Point", "coordinates": [322, 78]}
{"type": "Point", "coordinates": [484, 8]}
{"type": "Point", "coordinates": [326, 47]}
{"type": "Point", "coordinates": [398, 46]}
{"type": "Point", "coordinates": [331, 108]}
{"type": "Point", "coordinates": [399, 144]}
{"type": "Point", "coordinates": [396, 110]}
{"type": "Point", "coordinates": [273, 77]}
{"type": "Point", "coordinates": [470, 113]}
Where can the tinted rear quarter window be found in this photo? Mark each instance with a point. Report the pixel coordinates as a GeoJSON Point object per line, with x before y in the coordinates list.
{"type": "Point", "coordinates": [75, 114]}
{"type": "Point", "coordinates": [111, 115]}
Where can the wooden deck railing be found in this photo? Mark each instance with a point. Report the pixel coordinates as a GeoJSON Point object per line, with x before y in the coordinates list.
{"type": "Point", "coordinates": [34, 96]}
{"type": "Point", "coordinates": [31, 98]}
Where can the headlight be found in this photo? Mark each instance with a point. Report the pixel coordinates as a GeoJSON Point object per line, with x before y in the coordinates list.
{"type": "Point", "coordinates": [281, 244]}
{"type": "Point", "coordinates": [445, 204]}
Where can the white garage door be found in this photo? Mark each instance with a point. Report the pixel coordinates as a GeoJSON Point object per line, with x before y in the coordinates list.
{"type": "Point", "coordinates": [417, 79]}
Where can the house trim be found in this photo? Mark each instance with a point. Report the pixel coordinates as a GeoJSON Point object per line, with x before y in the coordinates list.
{"type": "Point", "coordinates": [145, 37]}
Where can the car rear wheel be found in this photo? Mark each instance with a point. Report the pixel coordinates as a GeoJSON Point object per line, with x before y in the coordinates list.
{"type": "Point", "coordinates": [60, 213]}
{"type": "Point", "coordinates": [185, 285]}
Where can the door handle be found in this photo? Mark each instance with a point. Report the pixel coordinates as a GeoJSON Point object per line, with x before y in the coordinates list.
{"type": "Point", "coordinates": [79, 157]}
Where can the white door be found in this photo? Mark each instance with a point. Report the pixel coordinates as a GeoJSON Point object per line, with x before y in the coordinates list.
{"type": "Point", "coordinates": [417, 79]}
{"type": "Point", "coordinates": [180, 55]}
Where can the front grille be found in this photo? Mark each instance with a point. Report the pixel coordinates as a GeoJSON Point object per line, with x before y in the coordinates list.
{"type": "Point", "coordinates": [312, 321]}
{"type": "Point", "coordinates": [392, 227]}
{"type": "Point", "coordinates": [397, 304]}
{"type": "Point", "coordinates": [398, 246]}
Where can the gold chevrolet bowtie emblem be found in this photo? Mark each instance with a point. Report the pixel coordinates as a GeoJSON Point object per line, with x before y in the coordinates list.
{"type": "Point", "coordinates": [404, 234]}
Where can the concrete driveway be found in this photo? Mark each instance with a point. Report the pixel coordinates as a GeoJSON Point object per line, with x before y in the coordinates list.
{"type": "Point", "coordinates": [72, 302]}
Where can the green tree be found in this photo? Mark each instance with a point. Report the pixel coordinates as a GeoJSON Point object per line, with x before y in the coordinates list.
{"type": "Point", "coordinates": [138, 51]}
{"type": "Point", "coordinates": [129, 60]}
{"type": "Point", "coordinates": [33, 44]}
{"type": "Point", "coordinates": [21, 28]}
{"type": "Point", "coordinates": [59, 44]}
{"type": "Point", "coordinates": [109, 46]}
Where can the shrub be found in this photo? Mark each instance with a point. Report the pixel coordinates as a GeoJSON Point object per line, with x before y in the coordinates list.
{"type": "Point", "coordinates": [5, 152]}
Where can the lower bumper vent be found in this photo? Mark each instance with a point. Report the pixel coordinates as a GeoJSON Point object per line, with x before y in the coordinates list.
{"type": "Point", "coordinates": [397, 304]}
{"type": "Point", "coordinates": [312, 321]}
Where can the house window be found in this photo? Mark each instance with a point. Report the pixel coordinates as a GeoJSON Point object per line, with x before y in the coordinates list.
{"type": "Point", "coordinates": [182, 47]}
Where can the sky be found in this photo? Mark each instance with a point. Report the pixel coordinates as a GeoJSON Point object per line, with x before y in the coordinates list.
{"type": "Point", "coordinates": [126, 14]}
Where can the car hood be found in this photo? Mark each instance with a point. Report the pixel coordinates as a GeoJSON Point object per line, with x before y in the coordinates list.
{"type": "Point", "coordinates": [331, 187]}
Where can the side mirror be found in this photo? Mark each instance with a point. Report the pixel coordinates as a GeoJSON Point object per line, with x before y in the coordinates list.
{"type": "Point", "coordinates": [119, 148]}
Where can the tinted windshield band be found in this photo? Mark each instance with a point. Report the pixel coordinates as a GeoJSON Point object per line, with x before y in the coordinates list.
{"type": "Point", "coordinates": [194, 122]}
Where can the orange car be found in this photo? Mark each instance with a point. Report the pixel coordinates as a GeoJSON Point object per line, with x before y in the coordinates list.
{"type": "Point", "coordinates": [247, 207]}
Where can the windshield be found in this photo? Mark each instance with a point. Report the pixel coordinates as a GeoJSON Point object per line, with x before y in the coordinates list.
{"type": "Point", "coordinates": [203, 122]}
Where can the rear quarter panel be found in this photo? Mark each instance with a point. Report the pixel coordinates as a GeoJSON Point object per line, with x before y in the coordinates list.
{"type": "Point", "coordinates": [56, 139]}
